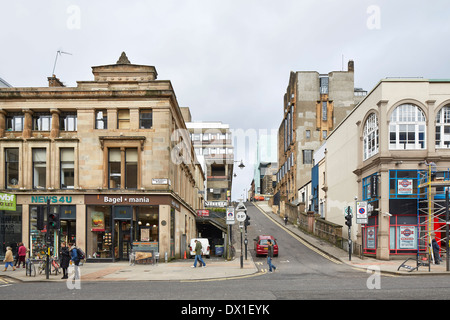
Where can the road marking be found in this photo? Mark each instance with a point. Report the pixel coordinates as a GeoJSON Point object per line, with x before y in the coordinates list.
{"type": "Point", "coordinates": [306, 244]}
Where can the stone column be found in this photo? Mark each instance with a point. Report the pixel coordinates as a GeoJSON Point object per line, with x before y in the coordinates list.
{"type": "Point", "coordinates": [54, 133]}
{"type": "Point", "coordinates": [2, 123]}
{"type": "Point", "coordinates": [27, 123]}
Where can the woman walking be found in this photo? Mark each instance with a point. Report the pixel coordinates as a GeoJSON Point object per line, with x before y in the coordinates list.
{"type": "Point", "coordinates": [9, 259]}
{"type": "Point", "coordinates": [65, 259]}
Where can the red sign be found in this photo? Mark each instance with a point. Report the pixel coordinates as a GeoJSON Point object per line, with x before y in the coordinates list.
{"type": "Point", "coordinates": [203, 213]}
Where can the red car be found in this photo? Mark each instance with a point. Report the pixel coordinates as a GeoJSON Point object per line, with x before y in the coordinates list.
{"type": "Point", "coordinates": [261, 245]}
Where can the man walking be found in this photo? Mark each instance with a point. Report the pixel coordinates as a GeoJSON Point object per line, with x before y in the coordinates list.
{"type": "Point", "coordinates": [270, 255]}
{"type": "Point", "coordinates": [198, 254]}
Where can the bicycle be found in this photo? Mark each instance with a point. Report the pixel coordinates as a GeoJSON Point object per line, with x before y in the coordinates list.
{"type": "Point", "coordinates": [30, 268]}
{"type": "Point", "coordinates": [54, 266]}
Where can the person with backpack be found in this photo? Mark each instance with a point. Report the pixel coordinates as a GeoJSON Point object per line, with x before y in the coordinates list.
{"type": "Point", "coordinates": [75, 257]}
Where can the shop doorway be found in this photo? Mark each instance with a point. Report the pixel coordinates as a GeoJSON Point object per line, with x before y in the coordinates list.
{"type": "Point", "coordinates": [122, 239]}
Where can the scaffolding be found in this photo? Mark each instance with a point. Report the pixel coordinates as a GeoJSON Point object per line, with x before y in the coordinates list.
{"type": "Point", "coordinates": [434, 183]}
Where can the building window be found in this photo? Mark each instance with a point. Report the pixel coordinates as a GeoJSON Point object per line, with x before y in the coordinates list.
{"type": "Point", "coordinates": [324, 134]}
{"type": "Point", "coordinates": [324, 111]}
{"type": "Point", "coordinates": [131, 167]}
{"type": "Point", "coordinates": [443, 128]}
{"type": "Point", "coordinates": [308, 134]}
{"type": "Point", "coordinates": [101, 119]}
{"type": "Point", "coordinates": [307, 156]}
{"type": "Point", "coordinates": [42, 122]}
{"type": "Point", "coordinates": [323, 85]}
{"type": "Point", "coordinates": [130, 162]}
{"type": "Point", "coordinates": [39, 168]}
{"type": "Point", "coordinates": [12, 168]}
{"type": "Point", "coordinates": [370, 136]}
{"type": "Point", "coordinates": [114, 168]}
{"type": "Point", "coordinates": [14, 122]}
{"type": "Point", "coordinates": [145, 119]}
{"type": "Point", "coordinates": [407, 128]}
{"type": "Point", "coordinates": [123, 119]}
{"type": "Point", "coordinates": [67, 168]}
{"type": "Point", "coordinates": [68, 122]}
{"type": "Point", "coordinates": [403, 184]}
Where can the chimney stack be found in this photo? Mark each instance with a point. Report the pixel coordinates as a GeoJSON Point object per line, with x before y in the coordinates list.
{"type": "Point", "coordinates": [53, 81]}
{"type": "Point", "coordinates": [351, 66]}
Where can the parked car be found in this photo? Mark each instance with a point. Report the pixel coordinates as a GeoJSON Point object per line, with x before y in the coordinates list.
{"type": "Point", "coordinates": [205, 247]}
{"type": "Point", "coordinates": [261, 245]}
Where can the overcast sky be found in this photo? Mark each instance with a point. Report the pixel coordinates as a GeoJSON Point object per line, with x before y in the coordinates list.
{"type": "Point", "coordinates": [228, 60]}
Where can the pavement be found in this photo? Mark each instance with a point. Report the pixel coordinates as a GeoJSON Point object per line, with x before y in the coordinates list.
{"type": "Point", "coordinates": [218, 268]}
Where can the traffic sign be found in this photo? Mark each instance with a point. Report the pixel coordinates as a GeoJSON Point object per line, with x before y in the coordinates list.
{"type": "Point", "coordinates": [347, 210]}
{"type": "Point", "coordinates": [361, 212]}
{"type": "Point", "coordinates": [240, 216]}
{"type": "Point", "coordinates": [230, 215]}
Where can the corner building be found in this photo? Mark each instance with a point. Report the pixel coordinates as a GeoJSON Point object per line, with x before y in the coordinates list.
{"type": "Point", "coordinates": [106, 153]}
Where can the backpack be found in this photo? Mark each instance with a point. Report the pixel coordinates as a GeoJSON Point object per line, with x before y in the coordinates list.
{"type": "Point", "coordinates": [80, 254]}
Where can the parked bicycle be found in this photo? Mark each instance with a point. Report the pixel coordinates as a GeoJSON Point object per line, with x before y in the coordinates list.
{"type": "Point", "coordinates": [54, 266]}
{"type": "Point", "coordinates": [30, 268]}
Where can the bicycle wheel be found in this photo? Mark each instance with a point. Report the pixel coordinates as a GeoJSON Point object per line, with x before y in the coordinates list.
{"type": "Point", "coordinates": [41, 267]}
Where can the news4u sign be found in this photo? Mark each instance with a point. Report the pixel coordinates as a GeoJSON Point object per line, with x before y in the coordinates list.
{"type": "Point", "coordinates": [7, 201]}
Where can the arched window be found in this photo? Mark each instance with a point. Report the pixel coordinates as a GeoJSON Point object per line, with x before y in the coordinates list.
{"type": "Point", "coordinates": [443, 128]}
{"type": "Point", "coordinates": [407, 128]}
{"type": "Point", "coordinates": [371, 136]}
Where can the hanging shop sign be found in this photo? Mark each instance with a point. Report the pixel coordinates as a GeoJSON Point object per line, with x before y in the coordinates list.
{"type": "Point", "coordinates": [7, 201]}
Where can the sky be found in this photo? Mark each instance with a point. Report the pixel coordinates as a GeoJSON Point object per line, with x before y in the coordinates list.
{"type": "Point", "coordinates": [228, 60]}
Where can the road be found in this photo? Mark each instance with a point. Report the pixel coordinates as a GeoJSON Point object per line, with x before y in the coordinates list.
{"type": "Point", "coordinates": [302, 273]}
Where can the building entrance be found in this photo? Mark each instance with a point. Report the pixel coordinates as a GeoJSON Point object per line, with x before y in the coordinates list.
{"type": "Point", "coordinates": [122, 239]}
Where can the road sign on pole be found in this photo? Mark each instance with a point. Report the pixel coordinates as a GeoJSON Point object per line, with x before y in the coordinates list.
{"type": "Point", "coordinates": [362, 216]}
{"type": "Point", "coordinates": [241, 216]}
{"type": "Point", "coordinates": [230, 215]}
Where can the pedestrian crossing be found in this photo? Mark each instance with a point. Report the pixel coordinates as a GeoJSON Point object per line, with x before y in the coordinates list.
{"type": "Point", "coordinates": [6, 282]}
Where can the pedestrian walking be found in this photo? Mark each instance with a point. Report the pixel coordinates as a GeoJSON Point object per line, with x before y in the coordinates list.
{"type": "Point", "coordinates": [9, 259]}
{"type": "Point", "coordinates": [64, 259]}
{"type": "Point", "coordinates": [75, 258]}
{"type": "Point", "coordinates": [270, 255]}
{"type": "Point", "coordinates": [198, 254]}
{"type": "Point", "coordinates": [21, 253]}
{"type": "Point", "coordinates": [285, 220]}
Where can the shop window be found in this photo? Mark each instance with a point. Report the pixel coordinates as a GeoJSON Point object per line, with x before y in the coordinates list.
{"type": "Point", "coordinates": [98, 235]}
{"type": "Point", "coordinates": [370, 136]}
{"type": "Point", "coordinates": [12, 168]}
{"type": "Point", "coordinates": [147, 224]}
{"type": "Point", "coordinates": [14, 122]}
{"type": "Point", "coordinates": [443, 128]}
{"type": "Point", "coordinates": [403, 184]}
{"type": "Point", "coordinates": [42, 122]}
{"type": "Point", "coordinates": [39, 168]}
{"type": "Point", "coordinates": [145, 119]}
{"type": "Point", "coordinates": [101, 119]}
{"type": "Point", "coordinates": [67, 168]}
{"type": "Point", "coordinates": [407, 128]}
{"type": "Point", "coordinates": [10, 229]}
{"type": "Point", "coordinates": [123, 119]}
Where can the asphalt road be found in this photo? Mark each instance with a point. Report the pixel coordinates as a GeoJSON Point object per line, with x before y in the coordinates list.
{"type": "Point", "coordinates": [302, 274]}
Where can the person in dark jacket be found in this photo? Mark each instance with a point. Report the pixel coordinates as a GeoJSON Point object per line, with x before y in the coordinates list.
{"type": "Point", "coordinates": [64, 259]}
{"type": "Point", "coordinates": [435, 247]}
{"type": "Point", "coordinates": [75, 260]}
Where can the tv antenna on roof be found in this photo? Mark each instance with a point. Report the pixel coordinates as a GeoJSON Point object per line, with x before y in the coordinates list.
{"type": "Point", "coordinates": [58, 53]}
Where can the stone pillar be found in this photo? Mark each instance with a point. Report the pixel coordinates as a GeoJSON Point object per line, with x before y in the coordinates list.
{"type": "Point", "coordinates": [27, 123]}
{"type": "Point", "coordinates": [311, 221]}
{"type": "Point", "coordinates": [54, 133]}
{"type": "Point", "coordinates": [2, 123]}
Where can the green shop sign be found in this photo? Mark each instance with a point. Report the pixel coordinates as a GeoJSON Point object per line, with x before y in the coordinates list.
{"type": "Point", "coordinates": [53, 199]}
{"type": "Point", "coordinates": [7, 201]}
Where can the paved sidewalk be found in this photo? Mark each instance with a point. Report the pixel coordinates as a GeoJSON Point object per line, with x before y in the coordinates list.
{"type": "Point", "coordinates": [387, 267]}
{"type": "Point", "coordinates": [218, 268]}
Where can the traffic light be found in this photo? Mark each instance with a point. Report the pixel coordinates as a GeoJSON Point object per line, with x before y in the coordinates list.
{"type": "Point", "coordinates": [40, 221]}
{"type": "Point", "coordinates": [348, 220]}
{"type": "Point", "coordinates": [53, 221]}
{"type": "Point", "coordinates": [247, 222]}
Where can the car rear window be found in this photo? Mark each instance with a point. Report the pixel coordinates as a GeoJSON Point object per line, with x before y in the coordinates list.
{"type": "Point", "coordinates": [263, 242]}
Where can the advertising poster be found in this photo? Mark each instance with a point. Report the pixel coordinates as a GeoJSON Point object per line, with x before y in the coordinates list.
{"type": "Point", "coordinates": [407, 237]}
{"type": "Point", "coordinates": [7, 202]}
{"type": "Point", "coordinates": [405, 186]}
{"type": "Point", "coordinates": [98, 221]}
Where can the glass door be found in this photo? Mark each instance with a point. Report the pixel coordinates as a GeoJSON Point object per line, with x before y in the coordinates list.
{"type": "Point", "coordinates": [122, 237]}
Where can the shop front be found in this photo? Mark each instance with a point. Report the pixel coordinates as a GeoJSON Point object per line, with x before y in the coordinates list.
{"type": "Point", "coordinates": [116, 223]}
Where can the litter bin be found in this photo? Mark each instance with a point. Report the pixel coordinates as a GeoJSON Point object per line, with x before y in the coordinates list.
{"type": "Point", "coordinates": [219, 250]}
